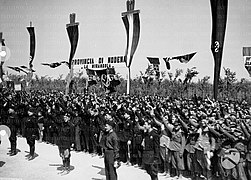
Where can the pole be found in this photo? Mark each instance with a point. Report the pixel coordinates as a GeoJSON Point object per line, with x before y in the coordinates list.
{"type": "Point", "coordinates": [128, 80]}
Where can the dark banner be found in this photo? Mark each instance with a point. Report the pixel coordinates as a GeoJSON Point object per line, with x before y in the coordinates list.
{"type": "Point", "coordinates": [32, 45]}
{"type": "Point", "coordinates": [153, 60]}
{"type": "Point", "coordinates": [184, 58]}
{"type": "Point", "coordinates": [73, 37]}
{"type": "Point", "coordinates": [219, 20]}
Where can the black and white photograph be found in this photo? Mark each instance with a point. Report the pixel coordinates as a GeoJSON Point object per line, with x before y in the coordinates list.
{"type": "Point", "coordinates": [125, 90]}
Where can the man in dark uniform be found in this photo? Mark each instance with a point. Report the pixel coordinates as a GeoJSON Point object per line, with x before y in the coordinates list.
{"type": "Point", "coordinates": [12, 123]}
{"type": "Point", "coordinates": [111, 149]}
{"type": "Point", "coordinates": [31, 132]}
{"type": "Point", "coordinates": [151, 150]}
{"type": "Point", "coordinates": [65, 141]}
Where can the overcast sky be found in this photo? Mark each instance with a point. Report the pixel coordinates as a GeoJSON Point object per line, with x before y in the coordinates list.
{"type": "Point", "coordinates": [168, 28]}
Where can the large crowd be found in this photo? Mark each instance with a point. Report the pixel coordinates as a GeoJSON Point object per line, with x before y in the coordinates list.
{"type": "Point", "coordinates": [198, 137]}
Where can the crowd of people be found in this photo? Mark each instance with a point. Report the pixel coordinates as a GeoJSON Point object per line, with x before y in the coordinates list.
{"type": "Point", "coordinates": [197, 138]}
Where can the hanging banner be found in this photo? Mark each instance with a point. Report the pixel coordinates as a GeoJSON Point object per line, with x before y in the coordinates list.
{"type": "Point", "coordinates": [72, 30]}
{"type": "Point", "coordinates": [132, 25]}
{"type": "Point", "coordinates": [219, 20]}
{"type": "Point", "coordinates": [32, 45]}
{"type": "Point", "coordinates": [98, 63]}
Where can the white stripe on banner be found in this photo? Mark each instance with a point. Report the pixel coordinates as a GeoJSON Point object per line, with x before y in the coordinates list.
{"type": "Point", "coordinates": [129, 54]}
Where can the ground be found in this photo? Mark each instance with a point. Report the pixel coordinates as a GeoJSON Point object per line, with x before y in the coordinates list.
{"type": "Point", "coordinates": [47, 165]}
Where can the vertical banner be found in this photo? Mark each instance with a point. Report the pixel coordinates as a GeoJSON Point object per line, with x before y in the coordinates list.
{"type": "Point", "coordinates": [72, 30]}
{"type": "Point", "coordinates": [247, 59]}
{"type": "Point", "coordinates": [219, 20]}
{"type": "Point", "coordinates": [31, 31]}
{"type": "Point", "coordinates": [132, 25]}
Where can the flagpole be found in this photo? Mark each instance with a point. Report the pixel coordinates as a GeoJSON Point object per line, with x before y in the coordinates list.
{"type": "Point", "coordinates": [128, 80]}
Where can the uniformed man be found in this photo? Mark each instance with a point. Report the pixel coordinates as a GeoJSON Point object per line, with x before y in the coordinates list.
{"type": "Point", "coordinates": [151, 150]}
{"type": "Point", "coordinates": [65, 141]}
{"type": "Point", "coordinates": [111, 149]}
{"type": "Point", "coordinates": [12, 123]}
{"type": "Point", "coordinates": [31, 132]}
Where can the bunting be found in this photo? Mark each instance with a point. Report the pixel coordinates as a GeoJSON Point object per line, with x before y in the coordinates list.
{"type": "Point", "coordinates": [219, 20]}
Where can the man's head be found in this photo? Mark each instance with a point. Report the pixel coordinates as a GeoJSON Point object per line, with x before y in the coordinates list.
{"type": "Point", "coordinates": [109, 125]}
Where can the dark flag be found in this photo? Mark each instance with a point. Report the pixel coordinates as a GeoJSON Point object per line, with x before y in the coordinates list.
{"type": "Point", "coordinates": [91, 77]}
{"type": "Point", "coordinates": [247, 58]}
{"type": "Point", "coordinates": [132, 25]}
{"type": "Point", "coordinates": [113, 80]}
{"type": "Point", "coordinates": [219, 20]}
{"type": "Point", "coordinates": [153, 60]}
{"type": "Point", "coordinates": [52, 65]}
{"type": "Point", "coordinates": [184, 58]}
{"type": "Point", "coordinates": [27, 69]}
{"type": "Point", "coordinates": [32, 45]}
{"type": "Point", "coordinates": [72, 30]}
{"type": "Point", "coordinates": [96, 76]}
{"type": "Point", "coordinates": [155, 64]}
{"type": "Point", "coordinates": [18, 69]}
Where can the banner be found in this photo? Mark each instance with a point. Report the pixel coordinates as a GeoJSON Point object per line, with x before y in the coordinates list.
{"type": "Point", "coordinates": [182, 58]}
{"type": "Point", "coordinates": [18, 69]}
{"type": "Point", "coordinates": [153, 60]}
{"type": "Point", "coordinates": [72, 30]}
{"type": "Point", "coordinates": [247, 59]}
{"type": "Point", "coordinates": [219, 20]}
{"type": "Point", "coordinates": [32, 45]}
{"type": "Point", "coordinates": [132, 25]}
{"type": "Point", "coordinates": [155, 65]}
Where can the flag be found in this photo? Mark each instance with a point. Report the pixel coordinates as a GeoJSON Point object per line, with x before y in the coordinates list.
{"type": "Point", "coordinates": [155, 65]}
{"type": "Point", "coordinates": [131, 21]}
{"type": "Point", "coordinates": [183, 58]}
{"type": "Point", "coordinates": [247, 59]}
{"type": "Point", "coordinates": [52, 65]}
{"type": "Point", "coordinates": [95, 76]}
{"type": "Point", "coordinates": [153, 60]}
{"type": "Point", "coordinates": [72, 30]}
{"type": "Point", "coordinates": [219, 20]}
{"type": "Point", "coordinates": [32, 45]}
{"type": "Point", "coordinates": [26, 68]}
{"type": "Point", "coordinates": [18, 69]}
